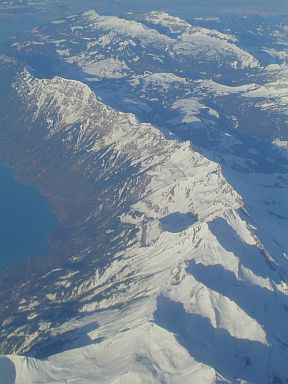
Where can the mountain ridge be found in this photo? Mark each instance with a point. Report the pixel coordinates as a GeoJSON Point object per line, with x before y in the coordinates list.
{"type": "Point", "coordinates": [170, 260]}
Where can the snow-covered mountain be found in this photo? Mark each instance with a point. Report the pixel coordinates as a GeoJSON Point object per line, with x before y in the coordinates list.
{"type": "Point", "coordinates": [161, 147]}
{"type": "Point", "coordinates": [154, 64]}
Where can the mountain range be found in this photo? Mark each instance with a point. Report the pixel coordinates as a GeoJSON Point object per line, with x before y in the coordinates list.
{"type": "Point", "coordinates": [161, 144]}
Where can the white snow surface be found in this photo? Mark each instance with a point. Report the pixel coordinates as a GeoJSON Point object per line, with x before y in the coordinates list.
{"type": "Point", "coordinates": [165, 306]}
{"type": "Point", "coordinates": [199, 41]}
{"type": "Point", "coordinates": [103, 42]}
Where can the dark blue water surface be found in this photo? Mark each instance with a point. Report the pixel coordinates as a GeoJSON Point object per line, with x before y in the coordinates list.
{"type": "Point", "coordinates": [26, 220]}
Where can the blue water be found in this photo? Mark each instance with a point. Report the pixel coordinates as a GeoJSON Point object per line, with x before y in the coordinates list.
{"type": "Point", "coordinates": [26, 220]}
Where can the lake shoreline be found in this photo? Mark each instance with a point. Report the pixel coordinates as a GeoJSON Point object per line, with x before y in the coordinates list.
{"type": "Point", "coordinates": [35, 214]}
